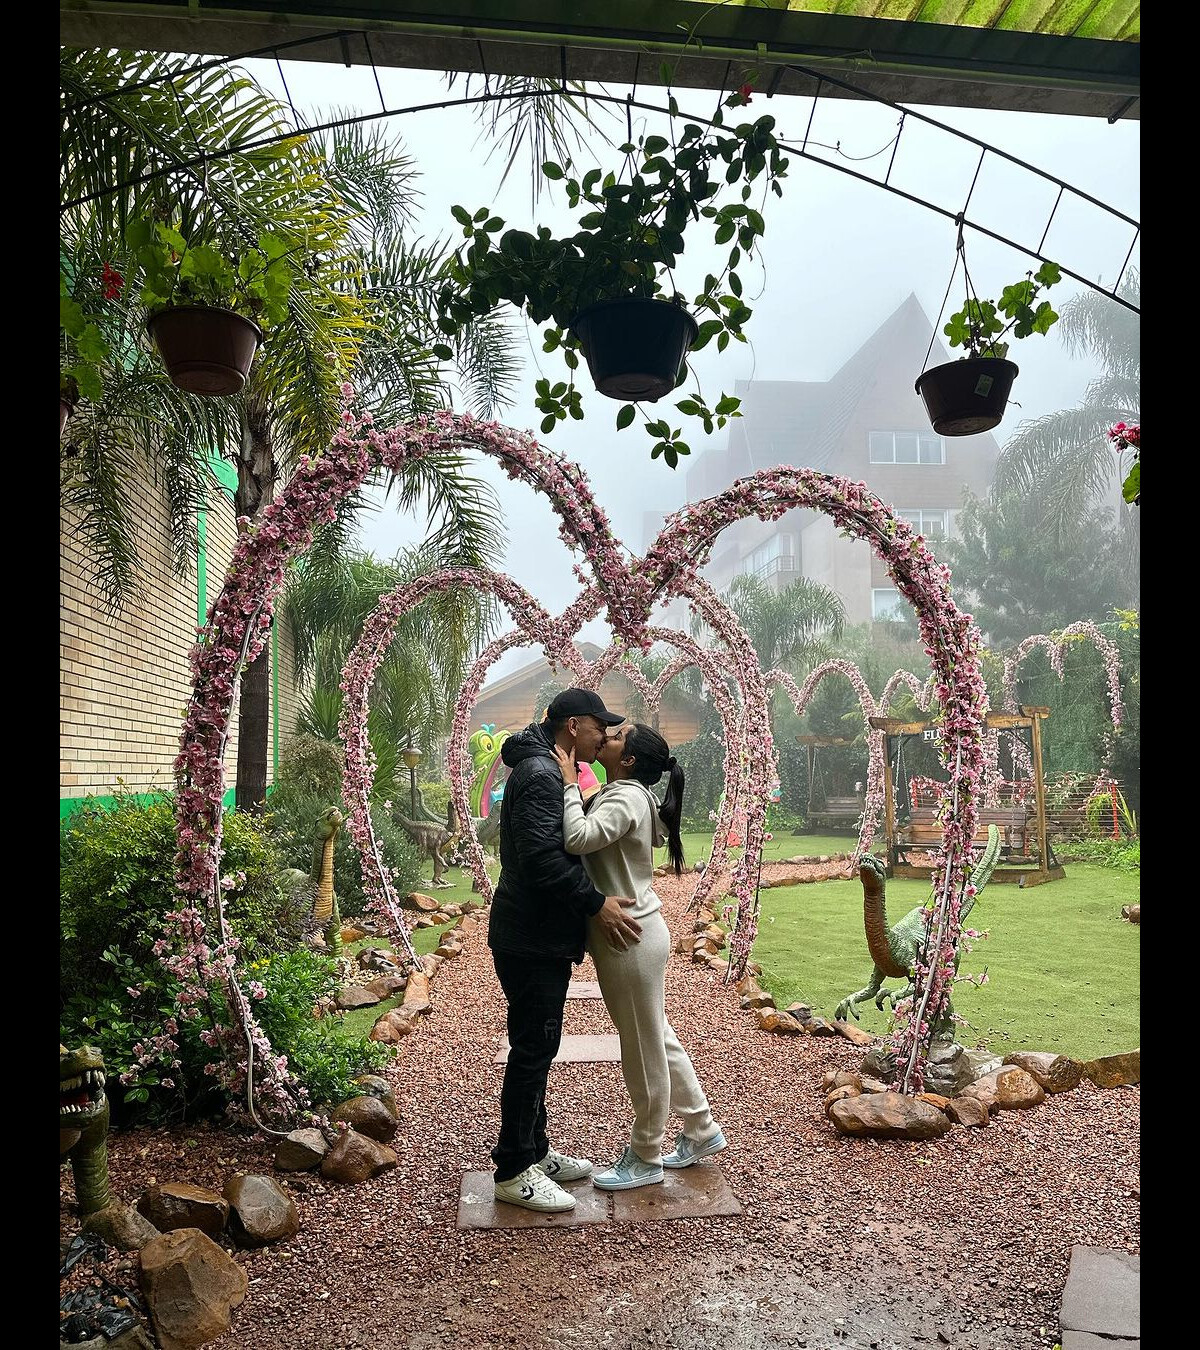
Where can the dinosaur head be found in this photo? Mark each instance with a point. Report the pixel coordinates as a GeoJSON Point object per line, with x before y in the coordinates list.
{"type": "Point", "coordinates": [329, 823]}
{"type": "Point", "coordinates": [871, 869]}
{"type": "Point", "coordinates": [81, 1096]}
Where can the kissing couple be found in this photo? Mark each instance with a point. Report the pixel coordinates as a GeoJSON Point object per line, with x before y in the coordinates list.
{"type": "Point", "coordinates": [576, 875]}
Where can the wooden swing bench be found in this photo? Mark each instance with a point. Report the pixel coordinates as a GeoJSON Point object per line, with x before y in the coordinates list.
{"type": "Point", "coordinates": [837, 811]}
{"type": "Point", "coordinates": [924, 830]}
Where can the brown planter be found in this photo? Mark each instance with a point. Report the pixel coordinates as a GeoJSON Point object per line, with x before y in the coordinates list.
{"type": "Point", "coordinates": [206, 350]}
{"type": "Point", "coordinates": [965, 398]}
{"type": "Point", "coordinates": [634, 348]}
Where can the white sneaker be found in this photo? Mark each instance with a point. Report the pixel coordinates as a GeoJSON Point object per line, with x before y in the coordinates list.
{"type": "Point", "coordinates": [627, 1172]}
{"type": "Point", "coordinates": [533, 1189]}
{"type": "Point", "coordinates": [687, 1151]}
{"type": "Point", "coordinates": [560, 1167]}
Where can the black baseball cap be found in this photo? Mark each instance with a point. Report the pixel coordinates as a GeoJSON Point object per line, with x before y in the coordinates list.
{"type": "Point", "coordinates": [581, 703]}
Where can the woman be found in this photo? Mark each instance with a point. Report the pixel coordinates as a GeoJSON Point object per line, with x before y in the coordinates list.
{"type": "Point", "coordinates": [617, 837]}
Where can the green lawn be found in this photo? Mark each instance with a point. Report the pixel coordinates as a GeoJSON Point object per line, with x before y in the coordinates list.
{"type": "Point", "coordinates": [1063, 966]}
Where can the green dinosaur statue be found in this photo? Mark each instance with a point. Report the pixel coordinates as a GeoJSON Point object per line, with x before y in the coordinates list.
{"type": "Point", "coordinates": [312, 893]}
{"type": "Point", "coordinates": [83, 1124]}
{"type": "Point", "coordinates": [895, 950]}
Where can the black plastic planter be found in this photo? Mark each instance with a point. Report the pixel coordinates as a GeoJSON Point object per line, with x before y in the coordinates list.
{"type": "Point", "coordinates": [206, 350]}
{"type": "Point", "coordinates": [634, 348]}
{"type": "Point", "coordinates": [965, 398]}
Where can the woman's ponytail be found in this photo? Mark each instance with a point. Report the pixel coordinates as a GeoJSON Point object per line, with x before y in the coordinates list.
{"type": "Point", "coordinates": [653, 758]}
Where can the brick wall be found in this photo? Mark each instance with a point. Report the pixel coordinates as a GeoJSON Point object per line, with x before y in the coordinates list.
{"type": "Point", "coordinates": [123, 677]}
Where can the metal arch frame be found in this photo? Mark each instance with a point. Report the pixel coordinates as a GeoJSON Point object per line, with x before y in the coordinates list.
{"type": "Point", "coordinates": [629, 102]}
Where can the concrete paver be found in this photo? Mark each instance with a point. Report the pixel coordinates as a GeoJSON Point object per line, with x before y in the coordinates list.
{"type": "Point", "coordinates": [1103, 1294]}
{"type": "Point", "coordinates": [583, 989]}
{"type": "Point", "coordinates": [605, 1049]}
{"type": "Point", "coordinates": [478, 1208]}
{"type": "Point", "coordinates": [699, 1191]}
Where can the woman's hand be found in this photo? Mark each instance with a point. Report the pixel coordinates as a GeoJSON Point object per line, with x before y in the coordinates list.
{"type": "Point", "coordinates": [566, 765]}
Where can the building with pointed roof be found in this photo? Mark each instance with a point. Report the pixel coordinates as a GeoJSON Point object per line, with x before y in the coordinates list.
{"type": "Point", "coordinates": [865, 423]}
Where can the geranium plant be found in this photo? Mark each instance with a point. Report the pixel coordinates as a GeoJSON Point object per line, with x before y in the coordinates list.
{"type": "Point", "coordinates": [254, 281]}
{"type": "Point", "coordinates": [978, 326]}
{"type": "Point", "coordinates": [1128, 436]}
{"type": "Point", "coordinates": [83, 348]}
{"type": "Point", "coordinates": [632, 229]}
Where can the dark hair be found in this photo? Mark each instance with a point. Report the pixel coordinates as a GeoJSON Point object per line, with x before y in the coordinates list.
{"type": "Point", "coordinates": [652, 758]}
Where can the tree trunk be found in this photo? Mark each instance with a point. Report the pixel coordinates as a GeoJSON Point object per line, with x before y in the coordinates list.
{"type": "Point", "coordinates": [255, 491]}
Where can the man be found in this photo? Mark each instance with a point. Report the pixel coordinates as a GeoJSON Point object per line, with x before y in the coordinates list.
{"type": "Point", "coordinates": [537, 929]}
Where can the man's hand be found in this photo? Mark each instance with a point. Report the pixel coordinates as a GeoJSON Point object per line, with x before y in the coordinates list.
{"type": "Point", "coordinates": [566, 765]}
{"type": "Point", "coordinates": [618, 928]}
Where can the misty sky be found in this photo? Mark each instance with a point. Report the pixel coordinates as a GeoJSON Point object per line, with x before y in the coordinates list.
{"type": "Point", "coordinates": [839, 257]}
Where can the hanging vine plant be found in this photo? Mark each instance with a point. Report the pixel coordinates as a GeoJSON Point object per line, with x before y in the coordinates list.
{"type": "Point", "coordinates": [607, 290]}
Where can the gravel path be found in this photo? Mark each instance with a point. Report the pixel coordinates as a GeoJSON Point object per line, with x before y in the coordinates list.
{"type": "Point", "coordinates": [963, 1241]}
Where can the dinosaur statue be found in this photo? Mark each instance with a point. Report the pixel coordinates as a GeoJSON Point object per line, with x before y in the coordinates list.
{"type": "Point", "coordinates": [434, 839]}
{"type": "Point", "coordinates": [311, 893]}
{"type": "Point", "coordinates": [83, 1124]}
{"type": "Point", "coordinates": [895, 950]}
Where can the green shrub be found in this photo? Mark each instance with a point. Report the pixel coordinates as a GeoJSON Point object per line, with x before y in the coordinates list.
{"type": "Point", "coordinates": [116, 882]}
{"type": "Point", "coordinates": [1123, 855]}
{"type": "Point", "coordinates": [436, 797]}
{"type": "Point", "coordinates": [312, 767]}
{"type": "Point", "coordinates": [319, 1053]}
{"type": "Point", "coordinates": [292, 817]}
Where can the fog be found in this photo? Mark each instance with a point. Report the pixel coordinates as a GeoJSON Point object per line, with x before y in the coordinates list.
{"type": "Point", "coordinates": [839, 256]}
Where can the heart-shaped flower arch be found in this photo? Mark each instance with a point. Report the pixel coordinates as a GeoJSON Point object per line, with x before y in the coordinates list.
{"type": "Point", "coordinates": [240, 624]}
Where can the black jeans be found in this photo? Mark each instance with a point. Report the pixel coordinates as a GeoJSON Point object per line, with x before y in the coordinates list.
{"type": "Point", "coordinates": [536, 990]}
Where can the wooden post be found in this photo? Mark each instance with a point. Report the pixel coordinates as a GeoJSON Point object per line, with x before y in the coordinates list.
{"type": "Point", "coordinates": [889, 823]}
{"type": "Point", "coordinates": [1039, 785]}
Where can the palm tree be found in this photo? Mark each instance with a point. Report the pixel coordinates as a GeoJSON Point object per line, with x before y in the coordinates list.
{"type": "Point", "coordinates": [129, 114]}
{"type": "Point", "coordinates": [1063, 461]}
{"type": "Point", "coordinates": [794, 626]}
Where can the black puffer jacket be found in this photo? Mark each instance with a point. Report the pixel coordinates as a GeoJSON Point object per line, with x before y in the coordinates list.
{"type": "Point", "coordinates": [544, 898]}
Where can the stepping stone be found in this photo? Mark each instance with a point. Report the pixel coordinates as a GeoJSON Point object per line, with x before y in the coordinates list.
{"type": "Point", "coordinates": [1103, 1295]}
{"type": "Point", "coordinates": [604, 1049]}
{"type": "Point", "coordinates": [584, 989]}
{"type": "Point", "coordinates": [478, 1208]}
{"type": "Point", "coordinates": [1084, 1340]}
{"type": "Point", "coordinates": [699, 1191]}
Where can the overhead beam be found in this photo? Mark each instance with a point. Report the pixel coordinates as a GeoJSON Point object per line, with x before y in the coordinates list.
{"type": "Point", "coordinates": [626, 42]}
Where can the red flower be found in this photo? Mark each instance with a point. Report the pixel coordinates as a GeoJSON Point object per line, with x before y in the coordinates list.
{"type": "Point", "coordinates": [745, 91]}
{"type": "Point", "coordinates": [112, 281]}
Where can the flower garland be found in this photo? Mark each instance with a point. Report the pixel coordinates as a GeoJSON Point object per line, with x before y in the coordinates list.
{"type": "Point", "coordinates": [241, 620]}
{"type": "Point", "coordinates": [1055, 646]}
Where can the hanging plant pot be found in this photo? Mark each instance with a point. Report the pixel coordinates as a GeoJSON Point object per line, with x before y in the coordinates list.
{"type": "Point", "coordinates": [205, 350]}
{"type": "Point", "coordinates": [965, 398]}
{"type": "Point", "coordinates": [634, 348]}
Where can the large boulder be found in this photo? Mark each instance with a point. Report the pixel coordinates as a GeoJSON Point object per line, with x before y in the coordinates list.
{"type": "Point", "coordinates": [356, 1157]}
{"type": "Point", "coordinates": [191, 1287]}
{"type": "Point", "coordinates": [1017, 1090]}
{"type": "Point", "coordinates": [301, 1151]}
{"type": "Point", "coordinates": [1115, 1070]}
{"type": "Point", "coordinates": [1056, 1073]}
{"type": "Point", "coordinates": [888, 1115]}
{"type": "Point", "coordinates": [368, 1115]}
{"type": "Point", "coordinates": [260, 1210]}
{"type": "Point", "coordinates": [179, 1205]}
{"type": "Point", "coordinates": [120, 1226]}
{"type": "Point", "coordinates": [968, 1111]}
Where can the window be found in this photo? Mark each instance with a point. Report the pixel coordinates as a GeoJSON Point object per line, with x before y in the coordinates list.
{"type": "Point", "coordinates": [888, 604]}
{"type": "Point", "coordinates": [931, 524]}
{"type": "Point", "coordinates": [906, 447]}
{"type": "Point", "coordinates": [776, 555]}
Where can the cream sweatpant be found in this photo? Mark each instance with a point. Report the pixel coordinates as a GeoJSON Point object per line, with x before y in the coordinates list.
{"type": "Point", "coordinates": [657, 1070]}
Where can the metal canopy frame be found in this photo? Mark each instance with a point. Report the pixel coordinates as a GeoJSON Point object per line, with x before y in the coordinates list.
{"type": "Point", "coordinates": [709, 46]}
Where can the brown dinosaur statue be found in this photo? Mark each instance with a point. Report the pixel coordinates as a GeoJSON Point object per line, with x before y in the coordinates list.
{"type": "Point", "coordinates": [312, 893]}
{"type": "Point", "coordinates": [434, 839]}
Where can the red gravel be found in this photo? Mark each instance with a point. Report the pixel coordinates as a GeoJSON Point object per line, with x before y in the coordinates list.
{"type": "Point", "coordinates": [963, 1240]}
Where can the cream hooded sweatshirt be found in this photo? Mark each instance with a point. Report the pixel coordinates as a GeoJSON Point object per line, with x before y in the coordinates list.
{"type": "Point", "coordinates": [617, 838]}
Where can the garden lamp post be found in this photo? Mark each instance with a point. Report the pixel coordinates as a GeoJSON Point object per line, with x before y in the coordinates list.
{"type": "Point", "coordinates": [412, 757]}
